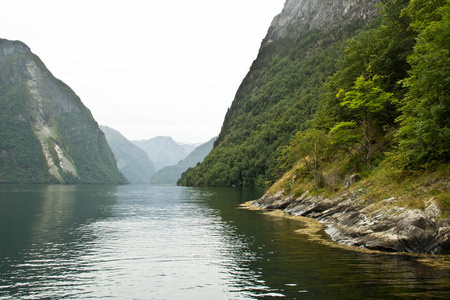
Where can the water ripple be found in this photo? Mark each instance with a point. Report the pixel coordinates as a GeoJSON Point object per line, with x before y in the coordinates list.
{"type": "Point", "coordinates": [146, 242]}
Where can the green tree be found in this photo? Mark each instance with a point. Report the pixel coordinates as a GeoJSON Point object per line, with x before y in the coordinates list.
{"type": "Point", "coordinates": [382, 50]}
{"type": "Point", "coordinates": [424, 136]}
{"type": "Point", "coordinates": [365, 103]}
{"type": "Point", "coordinates": [310, 146]}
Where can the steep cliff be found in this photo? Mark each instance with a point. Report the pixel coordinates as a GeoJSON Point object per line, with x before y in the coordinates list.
{"type": "Point", "coordinates": [282, 90]}
{"type": "Point", "coordinates": [48, 135]}
{"type": "Point", "coordinates": [300, 16]}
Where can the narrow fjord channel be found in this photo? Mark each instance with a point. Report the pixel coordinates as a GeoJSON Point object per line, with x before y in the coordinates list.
{"type": "Point", "coordinates": [168, 242]}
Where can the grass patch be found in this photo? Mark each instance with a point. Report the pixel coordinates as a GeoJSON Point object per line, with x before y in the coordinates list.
{"type": "Point", "coordinates": [443, 200]}
{"type": "Point", "coordinates": [409, 189]}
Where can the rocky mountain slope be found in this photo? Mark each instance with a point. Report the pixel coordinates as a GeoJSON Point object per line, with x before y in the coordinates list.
{"type": "Point", "coordinates": [132, 161]}
{"type": "Point", "coordinates": [47, 135]}
{"type": "Point", "coordinates": [171, 174]}
{"type": "Point", "coordinates": [299, 16]}
{"type": "Point", "coordinates": [280, 94]}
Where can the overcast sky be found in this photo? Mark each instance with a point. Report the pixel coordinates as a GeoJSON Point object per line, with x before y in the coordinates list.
{"type": "Point", "coordinates": [146, 67]}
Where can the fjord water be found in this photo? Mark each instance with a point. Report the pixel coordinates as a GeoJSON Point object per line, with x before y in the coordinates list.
{"type": "Point", "coordinates": [168, 242]}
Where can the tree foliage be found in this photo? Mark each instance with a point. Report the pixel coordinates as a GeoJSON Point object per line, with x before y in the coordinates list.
{"type": "Point", "coordinates": [366, 103]}
{"type": "Point", "coordinates": [310, 146]}
{"type": "Point", "coordinates": [424, 136]}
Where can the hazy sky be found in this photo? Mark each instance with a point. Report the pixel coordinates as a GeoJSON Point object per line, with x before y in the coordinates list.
{"type": "Point", "coordinates": [146, 67]}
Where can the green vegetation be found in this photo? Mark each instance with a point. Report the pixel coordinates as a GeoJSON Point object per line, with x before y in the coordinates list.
{"type": "Point", "coordinates": [39, 111]}
{"type": "Point", "coordinates": [365, 105]}
{"type": "Point", "coordinates": [18, 144]}
{"type": "Point", "coordinates": [395, 133]}
{"type": "Point", "coordinates": [278, 97]}
{"type": "Point", "coordinates": [381, 111]}
{"type": "Point", "coordinates": [424, 135]}
{"type": "Point", "coordinates": [87, 147]}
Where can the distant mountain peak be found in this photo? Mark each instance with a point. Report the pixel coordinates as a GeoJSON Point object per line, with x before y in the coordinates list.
{"type": "Point", "coordinates": [132, 161]}
{"type": "Point", "coordinates": [164, 150]}
{"type": "Point", "coordinates": [171, 174]}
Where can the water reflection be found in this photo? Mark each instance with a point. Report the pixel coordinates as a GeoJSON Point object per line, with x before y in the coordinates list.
{"type": "Point", "coordinates": [47, 228]}
{"type": "Point", "coordinates": [149, 242]}
{"type": "Point", "coordinates": [236, 255]}
{"type": "Point", "coordinates": [290, 264]}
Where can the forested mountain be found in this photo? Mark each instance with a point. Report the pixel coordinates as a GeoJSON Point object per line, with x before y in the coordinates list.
{"type": "Point", "coordinates": [132, 161]}
{"type": "Point", "coordinates": [282, 90]}
{"type": "Point", "coordinates": [340, 87]}
{"type": "Point", "coordinates": [47, 135]}
{"type": "Point", "coordinates": [164, 150]}
{"type": "Point", "coordinates": [171, 174]}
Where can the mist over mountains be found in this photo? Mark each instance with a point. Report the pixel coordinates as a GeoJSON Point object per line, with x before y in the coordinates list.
{"type": "Point", "coordinates": [171, 174]}
{"type": "Point", "coordinates": [132, 161]}
{"type": "Point", "coordinates": [164, 150]}
{"type": "Point", "coordinates": [138, 168]}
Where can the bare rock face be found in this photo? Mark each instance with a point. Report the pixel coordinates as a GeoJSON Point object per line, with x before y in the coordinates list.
{"type": "Point", "coordinates": [388, 228]}
{"type": "Point", "coordinates": [8, 47]}
{"type": "Point", "coordinates": [303, 15]}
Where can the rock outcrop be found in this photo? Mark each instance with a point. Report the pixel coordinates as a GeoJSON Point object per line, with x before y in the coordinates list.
{"type": "Point", "coordinates": [380, 226]}
{"type": "Point", "coordinates": [299, 16]}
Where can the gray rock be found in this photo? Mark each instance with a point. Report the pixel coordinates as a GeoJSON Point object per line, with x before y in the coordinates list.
{"type": "Point", "coordinates": [349, 180]}
{"type": "Point", "coordinates": [389, 228]}
{"type": "Point", "coordinates": [299, 16]}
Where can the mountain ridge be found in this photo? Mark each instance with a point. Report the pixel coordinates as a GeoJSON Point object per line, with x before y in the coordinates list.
{"type": "Point", "coordinates": [48, 135]}
{"type": "Point", "coordinates": [372, 159]}
{"type": "Point", "coordinates": [300, 16]}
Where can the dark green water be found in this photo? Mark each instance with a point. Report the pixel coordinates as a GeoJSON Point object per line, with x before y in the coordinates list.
{"type": "Point", "coordinates": [167, 242]}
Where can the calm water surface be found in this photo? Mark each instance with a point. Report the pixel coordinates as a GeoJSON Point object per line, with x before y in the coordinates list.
{"type": "Point", "coordinates": [167, 242]}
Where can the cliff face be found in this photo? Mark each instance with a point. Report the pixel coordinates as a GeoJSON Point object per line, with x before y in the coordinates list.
{"type": "Point", "coordinates": [48, 135]}
{"type": "Point", "coordinates": [303, 29]}
{"type": "Point", "coordinates": [299, 16]}
{"type": "Point", "coordinates": [282, 90]}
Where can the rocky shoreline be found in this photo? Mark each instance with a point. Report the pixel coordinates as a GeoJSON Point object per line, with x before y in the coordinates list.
{"type": "Point", "coordinates": [384, 225]}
